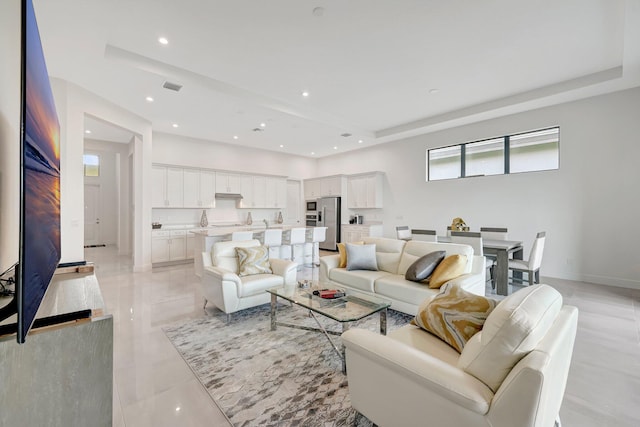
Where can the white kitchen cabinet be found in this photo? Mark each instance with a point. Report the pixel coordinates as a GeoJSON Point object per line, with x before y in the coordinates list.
{"type": "Point", "coordinates": [356, 233]}
{"type": "Point", "coordinates": [275, 193]}
{"type": "Point", "coordinates": [246, 189]}
{"type": "Point", "coordinates": [259, 192]}
{"type": "Point", "coordinates": [365, 191]}
{"type": "Point", "coordinates": [331, 186]}
{"type": "Point", "coordinates": [207, 189]}
{"type": "Point", "coordinates": [227, 182]}
{"type": "Point", "coordinates": [191, 192]}
{"type": "Point", "coordinates": [312, 189]}
{"type": "Point", "coordinates": [190, 246]}
{"type": "Point", "coordinates": [168, 246]}
{"type": "Point", "coordinates": [167, 188]}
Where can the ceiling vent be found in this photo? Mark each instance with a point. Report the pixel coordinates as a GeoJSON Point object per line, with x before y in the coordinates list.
{"type": "Point", "coordinates": [172, 86]}
{"type": "Point", "coordinates": [346, 135]}
{"type": "Point", "coordinates": [257, 129]}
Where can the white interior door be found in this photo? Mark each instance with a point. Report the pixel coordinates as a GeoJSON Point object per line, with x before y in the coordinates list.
{"type": "Point", "coordinates": [91, 214]}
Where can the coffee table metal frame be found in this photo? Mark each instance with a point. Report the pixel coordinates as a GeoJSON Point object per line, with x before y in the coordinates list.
{"type": "Point", "coordinates": [345, 310]}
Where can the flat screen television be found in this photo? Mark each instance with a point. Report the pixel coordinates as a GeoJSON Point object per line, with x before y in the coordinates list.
{"type": "Point", "coordinates": [39, 242]}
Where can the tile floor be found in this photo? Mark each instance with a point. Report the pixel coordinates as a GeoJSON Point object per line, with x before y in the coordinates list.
{"type": "Point", "coordinates": [153, 386]}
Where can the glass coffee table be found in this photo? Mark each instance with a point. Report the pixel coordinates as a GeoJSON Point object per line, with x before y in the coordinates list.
{"type": "Point", "coordinates": [346, 309]}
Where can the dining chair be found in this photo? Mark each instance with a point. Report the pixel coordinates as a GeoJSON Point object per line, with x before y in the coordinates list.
{"type": "Point", "coordinates": [424, 235]}
{"type": "Point", "coordinates": [403, 232]}
{"type": "Point", "coordinates": [532, 266]}
{"type": "Point", "coordinates": [474, 239]}
{"type": "Point", "coordinates": [493, 233]}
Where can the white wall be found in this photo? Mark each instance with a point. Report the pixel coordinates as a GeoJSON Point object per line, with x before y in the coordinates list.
{"type": "Point", "coordinates": [589, 207]}
{"type": "Point", "coordinates": [183, 151]}
{"type": "Point", "coordinates": [72, 103]}
{"type": "Point", "coordinates": [9, 132]}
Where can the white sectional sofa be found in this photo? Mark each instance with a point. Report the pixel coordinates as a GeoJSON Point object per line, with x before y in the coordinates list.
{"type": "Point", "coordinates": [393, 258]}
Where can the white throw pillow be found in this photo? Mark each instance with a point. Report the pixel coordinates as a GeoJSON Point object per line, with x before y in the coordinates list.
{"type": "Point", "coordinates": [361, 257]}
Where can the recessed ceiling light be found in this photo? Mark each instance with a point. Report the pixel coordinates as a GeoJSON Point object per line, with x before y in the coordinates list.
{"type": "Point", "coordinates": [235, 136]}
{"type": "Point", "coordinates": [360, 141]}
{"type": "Point", "coordinates": [175, 125]}
{"type": "Point", "coordinates": [305, 94]}
{"type": "Point", "coordinates": [263, 125]}
{"type": "Point", "coordinates": [149, 99]}
{"type": "Point", "coordinates": [87, 131]}
{"type": "Point", "coordinates": [163, 40]}
{"type": "Point", "coordinates": [281, 146]}
{"type": "Point", "coordinates": [432, 91]}
{"type": "Point", "coordinates": [335, 148]}
{"type": "Point", "coordinates": [313, 152]}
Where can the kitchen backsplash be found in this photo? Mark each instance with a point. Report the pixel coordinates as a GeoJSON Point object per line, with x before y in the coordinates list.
{"type": "Point", "coordinates": [225, 211]}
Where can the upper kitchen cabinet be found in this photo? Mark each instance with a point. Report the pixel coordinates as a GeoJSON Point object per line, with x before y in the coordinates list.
{"type": "Point", "coordinates": [227, 182]}
{"type": "Point", "coordinates": [167, 188]}
{"type": "Point", "coordinates": [276, 193]}
{"type": "Point", "coordinates": [365, 191]}
{"type": "Point", "coordinates": [329, 186]}
{"type": "Point", "coordinates": [311, 189]}
{"type": "Point", "coordinates": [199, 188]}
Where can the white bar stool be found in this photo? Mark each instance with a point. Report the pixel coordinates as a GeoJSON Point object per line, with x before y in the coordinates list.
{"type": "Point", "coordinates": [315, 235]}
{"type": "Point", "coordinates": [292, 238]}
{"type": "Point", "coordinates": [272, 239]}
{"type": "Point", "coordinates": [241, 235]}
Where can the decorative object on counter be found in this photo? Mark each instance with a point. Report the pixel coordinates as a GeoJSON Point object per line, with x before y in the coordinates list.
{"type": "Point", "coordinates": [458, 224]}
{"type": "Point", "coordinates": [249, 219]}
{"type": "Point", "coordinates": [280, 220]}
{"type": "Point", "coordinates": [156, 225]}
{"type": "Point", "coordinates": [203, 219]}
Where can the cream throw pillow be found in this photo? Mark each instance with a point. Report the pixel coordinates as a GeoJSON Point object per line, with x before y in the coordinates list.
{"type": "Point", "coordinates": [253, 260]}
{"type": "Point", "coordinates": [454, 315]}
{"type": "Point", "coordinates": [449, 268]}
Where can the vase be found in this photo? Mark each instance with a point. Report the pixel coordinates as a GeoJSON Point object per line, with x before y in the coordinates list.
{"type": "Point", "coordinates": [279, 220]}
{"type": "Point", "coordinates": [203, 219]}
{"type": "Point", "coordinates": [249, 219]}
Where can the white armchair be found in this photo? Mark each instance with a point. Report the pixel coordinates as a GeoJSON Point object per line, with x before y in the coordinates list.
{"type": "Point", "coordinates": [512, 373]}
{"type": "Point", "coordinates": [222, 286]}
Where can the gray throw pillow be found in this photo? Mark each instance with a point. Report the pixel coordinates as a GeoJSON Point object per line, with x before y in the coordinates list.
{"type": "Point", "coordinates": [424, 266]}
{"type": "Point", "coordinates": [361, 257]}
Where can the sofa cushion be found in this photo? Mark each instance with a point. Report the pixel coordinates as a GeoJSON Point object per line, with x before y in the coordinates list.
{"type": "Point", "coordinates": [424, 266]}
{"type": "Point", "coordinates": [454, 315]}
{"type": "Point", "coordinates": [415, 249]}
{"type": "Point", "coordinates": [449, 268]}
{"type": "Point", "coordinates": [357, 279]}
{"type": "Point", "coordinates": [224, 255]}
{"type": "Point", "coordinates": [361, 257]}
{"type": "Point", "coordinates": [510, 332]}
{"type": "Point", "coordinates": [342, 251]}
{"type": "Point", "coordinates": [253, 260]}
{"type": "Point", "coordinates": [258, 284]}
{"type": "Point", "coordinates": [398, 288]}
{"type": "Point", "coordinates": [388, 252]}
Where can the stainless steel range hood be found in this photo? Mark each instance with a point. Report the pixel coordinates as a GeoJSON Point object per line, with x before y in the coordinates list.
{"type": "Point", "coordinates": [230, 196]}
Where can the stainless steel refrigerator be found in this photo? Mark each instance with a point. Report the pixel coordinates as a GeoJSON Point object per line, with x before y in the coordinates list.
{"type": "Point", "coordinates": [329, 216]}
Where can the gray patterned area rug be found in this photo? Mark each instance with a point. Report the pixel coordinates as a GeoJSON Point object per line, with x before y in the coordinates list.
{"type": "Point", "coordinates": [259, 377]}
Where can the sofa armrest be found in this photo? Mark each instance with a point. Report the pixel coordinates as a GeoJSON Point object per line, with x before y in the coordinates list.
{"type": "Point", "coordinates": [433, 375]}
{"type": "Point", "coordinates": [285, 268]}
{"type": "Point", "coordinates": [326, 264]}
{"type": "Point", "coordinates": [221, 274]}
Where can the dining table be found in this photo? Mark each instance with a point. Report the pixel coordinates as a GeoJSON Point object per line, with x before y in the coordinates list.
{"type": "Point", "coordinates": [501, 250]}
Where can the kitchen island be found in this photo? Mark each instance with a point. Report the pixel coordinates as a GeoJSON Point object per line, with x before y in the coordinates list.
{"type": "Point", "coordinates": [206, 237]}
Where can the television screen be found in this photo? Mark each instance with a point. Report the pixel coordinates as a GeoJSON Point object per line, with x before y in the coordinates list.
{"type": "Point", "coordinates": [40, 179]}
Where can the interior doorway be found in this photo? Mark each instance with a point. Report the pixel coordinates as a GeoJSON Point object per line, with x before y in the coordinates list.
{"type": "Point", "coordinates": [92, 235]}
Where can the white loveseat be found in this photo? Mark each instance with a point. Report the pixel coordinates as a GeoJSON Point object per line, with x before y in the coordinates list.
{"type": "Point", "coordinates": [511, 374]}
{"type": "Point", "coordinates": [229, 292]}
{"type": "Point", "coordinates": [394, 257]}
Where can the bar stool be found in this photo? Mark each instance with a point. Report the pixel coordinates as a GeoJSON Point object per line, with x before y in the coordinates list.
{"type": "Point", "coordinates": [241, 235]}
{"type": "Point", "coordinates": [315, 235]}
{"type": "Point", "coordinates": [292, 238]}
{"type": "Point", "coordinates": [272, 239]}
